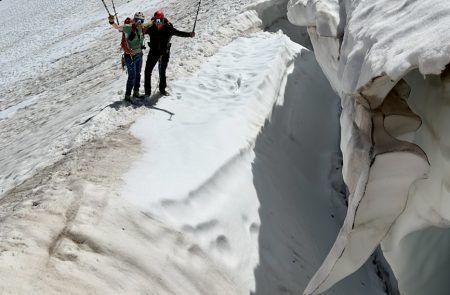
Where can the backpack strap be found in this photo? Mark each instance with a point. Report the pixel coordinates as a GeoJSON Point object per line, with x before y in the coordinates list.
{"type": "Point", "coordinates": [124, 41]}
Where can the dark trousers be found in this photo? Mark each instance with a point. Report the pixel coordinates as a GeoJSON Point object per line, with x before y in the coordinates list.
{"type": "Point", "coordinates": [152, 59]}
{"type": "Point", "coordinates": [134, 66]}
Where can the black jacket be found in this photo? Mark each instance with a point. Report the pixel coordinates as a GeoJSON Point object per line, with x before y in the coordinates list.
{"type": "Point", "coordinates": [160, 40]}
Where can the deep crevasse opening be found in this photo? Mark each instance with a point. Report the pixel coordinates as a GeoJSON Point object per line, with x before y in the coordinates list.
{"type": "Point", "coordinates": [417, 246]}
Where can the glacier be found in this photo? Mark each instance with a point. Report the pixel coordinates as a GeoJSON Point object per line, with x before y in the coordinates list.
{"type": "Point", "coordinates": [293, 125]}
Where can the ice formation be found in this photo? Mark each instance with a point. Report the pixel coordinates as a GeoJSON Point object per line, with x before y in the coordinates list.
{"type": "Point", "coordinates": [387, 61]}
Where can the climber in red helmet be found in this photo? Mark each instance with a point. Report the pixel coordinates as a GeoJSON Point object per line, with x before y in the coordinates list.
{"type": "Point", "coordinates": [160, 31]}
{"type": "Point", "coordinates": [159, 14]}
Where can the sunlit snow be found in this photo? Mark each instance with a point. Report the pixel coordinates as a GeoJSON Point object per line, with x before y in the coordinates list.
{"type": "Point", "coordinates": [299, 138]}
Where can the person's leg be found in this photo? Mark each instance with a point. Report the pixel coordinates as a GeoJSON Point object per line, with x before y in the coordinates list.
{"type": "Point", "coordinates": [152, 59]}
{"type": "Point", "coordinates": [131, 74]}
{"type": "Point", "coordinates": [138, 67]}
{"type": "Point", "coordinates": [163, 62]}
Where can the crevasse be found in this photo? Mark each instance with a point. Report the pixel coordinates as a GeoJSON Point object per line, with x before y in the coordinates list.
{"type": "Point", "coordinates": [387, 61]}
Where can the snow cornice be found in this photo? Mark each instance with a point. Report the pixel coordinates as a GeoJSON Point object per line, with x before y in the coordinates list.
{"type": "Point", "coordinates": [373, 53]}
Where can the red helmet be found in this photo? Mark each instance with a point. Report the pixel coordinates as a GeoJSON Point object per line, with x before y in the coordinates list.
{"type": "Point", "coordinates": [159, 14]}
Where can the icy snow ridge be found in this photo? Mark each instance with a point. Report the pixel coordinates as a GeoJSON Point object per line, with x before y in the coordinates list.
{"type": "Point", "coordinates": [392, 132]}
{"type": "Point", "coordinates": [218, 116]}
{"type": "Point", "coordinates": [240, 191]}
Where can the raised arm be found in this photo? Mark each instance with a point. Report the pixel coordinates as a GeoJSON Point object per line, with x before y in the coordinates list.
{"type": "Point", "coordinates": [178, 33]}
{"type": "Point", "coordinates": [113, 24]}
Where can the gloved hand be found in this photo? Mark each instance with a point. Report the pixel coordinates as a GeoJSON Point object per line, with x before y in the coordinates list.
{"type": "Point", "coordinates": [111, 19]}
{"type": "Point", "coordinates": [192, 34]}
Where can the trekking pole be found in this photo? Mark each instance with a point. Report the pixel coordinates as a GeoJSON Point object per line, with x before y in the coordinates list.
{"type": "Point", "coordinates": [193, 29]}
{"type": "Point", "coordinates": [106, 7]}
{"type": "Point", "coordinates": [114, 8]}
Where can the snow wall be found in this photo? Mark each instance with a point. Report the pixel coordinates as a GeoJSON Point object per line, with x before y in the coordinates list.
{"type": "Point", "coordinates": [387, 61]}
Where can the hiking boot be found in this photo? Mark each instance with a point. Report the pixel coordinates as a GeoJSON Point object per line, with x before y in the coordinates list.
{"type": "Point", "coordinates": [164, 92]}
{"type": "Point", "coordinates": [136, 94]}
{"type": "Point", "coordinates": [127, 98]}
{"type": "Point", "coordinates": [147, 97]}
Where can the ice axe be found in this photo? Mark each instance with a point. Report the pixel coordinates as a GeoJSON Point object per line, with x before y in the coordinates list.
{"type": "Point", "coordinates": [107, 10]}
{"type": "Point", "coordinates": [106, 7]}
{"type": "Point", "coordinates": [115, 12]}
{"type": "Point", "coordinates": [199, 2]}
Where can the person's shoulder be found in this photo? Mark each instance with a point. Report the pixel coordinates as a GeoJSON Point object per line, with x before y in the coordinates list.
{"type": "Point", "coordinates": [126, 27]}
{"type": "Point", "coordinates": [167, 22]}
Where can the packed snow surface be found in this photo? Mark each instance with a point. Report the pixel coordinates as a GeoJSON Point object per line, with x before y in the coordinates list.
{"type": "Point", "coordinates": [62, 67]}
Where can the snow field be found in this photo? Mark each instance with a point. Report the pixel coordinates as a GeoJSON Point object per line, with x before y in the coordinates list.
{"type": "Point", "coordinates": [61, 92]}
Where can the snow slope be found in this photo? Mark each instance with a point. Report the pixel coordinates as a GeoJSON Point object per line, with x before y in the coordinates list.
{"type": "Point", "coordinates": [58, 81]}
{"type": "Point", "coordinates": [387, 60]}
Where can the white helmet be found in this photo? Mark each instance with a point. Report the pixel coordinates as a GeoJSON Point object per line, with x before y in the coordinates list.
{"type": "Point", "coordinates": [139, 15]}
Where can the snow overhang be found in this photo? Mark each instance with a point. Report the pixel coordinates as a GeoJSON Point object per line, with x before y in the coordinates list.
{"type": "Point", "coordinates": [385, 66]}
{"type": "Point", "coordinates": [324, 15]}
